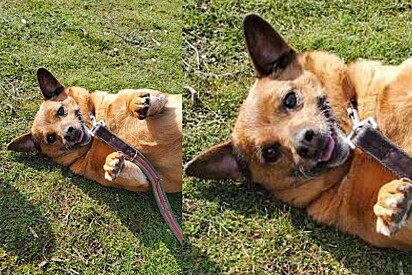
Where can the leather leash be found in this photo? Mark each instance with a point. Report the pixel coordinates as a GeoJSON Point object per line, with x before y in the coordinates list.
{"type": "Point", "coordinates": [100, 130]}
{"type": "Point", "coordinates": [366, 136]}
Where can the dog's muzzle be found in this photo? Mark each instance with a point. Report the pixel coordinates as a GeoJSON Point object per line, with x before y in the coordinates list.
{"type": "Point", "coordinates": [314, 145]}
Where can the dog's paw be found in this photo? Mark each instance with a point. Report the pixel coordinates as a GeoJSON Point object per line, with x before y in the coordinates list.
{"type": "Point", "coordinates": [140, 105]}
{"type": "Point", "coordinates": [393, 206]}
{"type": "Point", "coordinates": [113, 166]}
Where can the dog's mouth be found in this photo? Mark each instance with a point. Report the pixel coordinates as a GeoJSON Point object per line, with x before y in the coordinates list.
{"type": "Point", "coordinates": [328, 150]}
{"type": "Point", "coordinates": [334, 153]}
{"type": "Point", "coordinates": [81, 138]}
{"type": "Point", "coordinates": [335, 149]}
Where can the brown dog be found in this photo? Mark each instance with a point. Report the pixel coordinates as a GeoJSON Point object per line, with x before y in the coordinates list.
{"type": "Point", "coordinates": [147, 119]}
{"type": "Point", "coordinates": [290, 137]}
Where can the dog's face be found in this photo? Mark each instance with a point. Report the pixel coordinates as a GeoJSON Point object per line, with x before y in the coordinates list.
{"type": "Point", "coordinates": [288, 129]}
{"type": "Point", "coordinates": [59, 127]}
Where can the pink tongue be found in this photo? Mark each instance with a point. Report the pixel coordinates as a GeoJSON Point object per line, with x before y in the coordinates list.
{"type": "Point", "coordinates": [79, 139]}
{"type": "Point", "coordinates": [328, 150]}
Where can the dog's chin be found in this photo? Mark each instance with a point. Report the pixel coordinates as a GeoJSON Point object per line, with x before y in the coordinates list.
{"type": "Point", "coordinates": [340, 153]}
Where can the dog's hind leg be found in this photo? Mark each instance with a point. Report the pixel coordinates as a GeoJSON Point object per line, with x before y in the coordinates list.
{"type": "Point", "coordinates": [145, 102]}
{"type": "Point", "coordinates": [158, 102]}
{"type": "Point", "coordinates": [139, 103]}
{"type": "Point", "coordinates": [124, 174]}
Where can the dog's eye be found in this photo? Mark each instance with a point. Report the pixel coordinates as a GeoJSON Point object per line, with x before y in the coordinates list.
{"type": "Point", "coordinates": [290, 100]}
{"type": "Point", "coordinates": [61, 111]}
{"type": "Point", "coordinates": [271, 153]}
{"type": "Point", "coordinates": [51, 138]}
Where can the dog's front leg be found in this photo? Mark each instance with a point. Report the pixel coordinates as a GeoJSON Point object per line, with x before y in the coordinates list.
{"type": "Point", "coordinates": [393, 207]}
{"type": "Point", "coordinates": [124, 174]}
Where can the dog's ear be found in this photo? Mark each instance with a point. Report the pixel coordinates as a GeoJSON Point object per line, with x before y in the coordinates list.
{"type": "Point", "coordinates": [268, 50]}
{"type": "Point", "coordinates": [217, 162]}
{"type": "Point", "coordinates": [23, 143]}
{"type": "Point", "coordinates": [49, 85]}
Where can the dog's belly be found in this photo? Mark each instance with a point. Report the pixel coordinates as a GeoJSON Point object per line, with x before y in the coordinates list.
{"type": "Point", "coordinates": [394, 107]}
{"type": "Point", "coordinates": [158, 138]}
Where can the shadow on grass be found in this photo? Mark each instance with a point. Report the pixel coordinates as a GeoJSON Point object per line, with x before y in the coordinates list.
{"type": "Point", "coordinates": [194, 261]}
{"type": "Point", "coordinates": [25, 233]}
{"type": "Point", "coordinates": [137, 211]}
{"type": "Point", "coordinates": [353, 253]}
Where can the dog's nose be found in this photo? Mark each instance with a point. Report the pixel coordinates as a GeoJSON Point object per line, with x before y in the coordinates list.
{"type": "Point", "coordinates": [309, 143]}
{"type": "Point", "coordinates": [70, 133]}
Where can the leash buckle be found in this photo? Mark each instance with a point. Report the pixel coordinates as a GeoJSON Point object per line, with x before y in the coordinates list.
{"type": "Point", "coordinates": [95, 124]}
{"type": "Point", "coordinates": [357, 124]}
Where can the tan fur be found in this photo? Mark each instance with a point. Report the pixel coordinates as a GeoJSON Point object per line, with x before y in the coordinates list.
{"type": "Point", "coordinates": [343, 197]}
{"type": "Point", "coordinates": [359, 196]}
{"type": "Point", "coordinates": [158, 136]}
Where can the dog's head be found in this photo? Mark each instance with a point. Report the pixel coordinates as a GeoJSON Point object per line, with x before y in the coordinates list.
{"type": "Point", "coordinates": [59, 127]}
{"type": "Point", "coordinates": [290, 127]}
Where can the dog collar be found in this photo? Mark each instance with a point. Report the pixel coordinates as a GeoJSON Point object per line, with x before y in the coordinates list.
{"type": "Point", "coordinates": [100, 130]}
{"type": "Point", "coordinates": [366, 136]}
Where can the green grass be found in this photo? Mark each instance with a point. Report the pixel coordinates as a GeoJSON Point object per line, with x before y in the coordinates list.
{"type": "Point", "coordinates": [239, 229]}
{"type": "Point", "coordinates": [51, 220]}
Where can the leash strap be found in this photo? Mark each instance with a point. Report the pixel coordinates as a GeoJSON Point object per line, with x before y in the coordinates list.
{"type": "Point", "coordinates": [384, 151]}
{"type": "Point", "coordinates": [367, 137]}
{"type": "Point", "coordinates": [100, 130]}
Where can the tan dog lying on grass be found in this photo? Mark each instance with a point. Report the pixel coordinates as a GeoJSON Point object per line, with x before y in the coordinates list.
{"type": "Point", "coordinates": [289, 137]}
{"type": "Point", "coordinates": [147, 119]}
